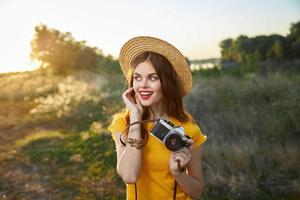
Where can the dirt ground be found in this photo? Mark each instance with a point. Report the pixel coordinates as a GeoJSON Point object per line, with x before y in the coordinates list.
{"type": "Point", "coordinates": [20, 179]}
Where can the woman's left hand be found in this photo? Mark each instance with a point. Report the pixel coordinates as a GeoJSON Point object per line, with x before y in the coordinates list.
{"type": "Point", "coordinates": [183, 155]}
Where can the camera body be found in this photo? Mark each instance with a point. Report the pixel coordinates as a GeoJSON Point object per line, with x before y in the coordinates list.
{"type": "Point", "coordinates": [173, 137]}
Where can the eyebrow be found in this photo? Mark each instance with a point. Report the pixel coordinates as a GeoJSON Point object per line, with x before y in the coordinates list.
{"type": "Point", "coordinates": [148, 74]}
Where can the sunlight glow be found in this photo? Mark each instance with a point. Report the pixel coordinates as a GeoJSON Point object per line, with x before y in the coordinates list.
{"type": "Point", "coordinates": [17, 58]}
{"type": "Point", "coordinates": [15, 39]}
{"type": "Point", "coordinates": [195, 27]}
{"type": "Point", "coordinates": [20, 66]}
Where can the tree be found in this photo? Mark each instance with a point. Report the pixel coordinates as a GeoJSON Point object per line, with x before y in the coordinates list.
{"type": "Point", "coordinates": [61, 52]}
{"type": "Point", "coordinates": [259, 48]}
{"type": "Point", "coordinates": [276, 51]}
{"type": "Point", "coordinates": [226, 49]}
{"type": "Point", "coordinates": [294, 40]}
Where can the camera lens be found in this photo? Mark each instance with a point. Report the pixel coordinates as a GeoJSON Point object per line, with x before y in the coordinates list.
{"type": "Point", "coordinates": [173, 142]}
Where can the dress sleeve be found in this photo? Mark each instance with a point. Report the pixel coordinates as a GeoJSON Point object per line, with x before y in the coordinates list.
{"type": "Point", "coordinates": [118, 124]}
{"type": "Point", "coordinates": [194, 131]}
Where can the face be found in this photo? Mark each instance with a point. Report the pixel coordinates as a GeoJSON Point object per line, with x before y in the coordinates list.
{"type": "Point", "coordinates": [147, 85]}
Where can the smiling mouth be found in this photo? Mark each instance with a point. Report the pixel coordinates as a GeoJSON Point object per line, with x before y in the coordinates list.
{"type": "Point", "coordinates": [146, 95]}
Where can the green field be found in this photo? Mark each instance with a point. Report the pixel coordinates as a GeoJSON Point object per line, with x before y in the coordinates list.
{"type": "Point", "coordinates": [54, 145]}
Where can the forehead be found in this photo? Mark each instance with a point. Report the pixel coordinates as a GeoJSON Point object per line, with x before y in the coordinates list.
{"type": "Point", "coordinates": [145, 67]}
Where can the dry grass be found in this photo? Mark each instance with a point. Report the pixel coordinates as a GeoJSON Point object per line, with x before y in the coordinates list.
{"type": "Point", "coordinates": [25, 85]}
{"type": "Point", "coordinates": [253, 135]}
{"type": "Point", "coordinates": [252, 150]}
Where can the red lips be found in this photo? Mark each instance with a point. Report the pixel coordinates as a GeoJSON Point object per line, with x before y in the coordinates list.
{"type": "Point", "coordinates": [145, 94]}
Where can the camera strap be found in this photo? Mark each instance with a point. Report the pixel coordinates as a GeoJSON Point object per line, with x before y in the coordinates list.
{"type": "Point", "coordinates": [135, 191]}
{"type": "Point", "coordinates": [127, 127]}
{"type": "Point", "coordinates": [135, 186]}
{"type": "Point", "coordinates": [175, 188]}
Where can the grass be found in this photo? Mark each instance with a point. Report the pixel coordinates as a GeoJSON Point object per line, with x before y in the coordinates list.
{"type": "Point", "coordinates": [251, 122]}
{"type": "Point", "coordinates": [253, 135]}
{"type": "Point", "coordinates": [26, 85]}
{"type": "Point", "coordinates": [14, 113]}
{"type": "Point", "coordinates": [79, 165]}
{"type": "Point", "coordinates": [264, 106]}
{"type": "Point", "coordinates": [251, 169]}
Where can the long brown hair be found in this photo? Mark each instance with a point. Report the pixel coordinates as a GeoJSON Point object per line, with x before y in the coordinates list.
{"type": "Point", "coordinates": [171, 87]}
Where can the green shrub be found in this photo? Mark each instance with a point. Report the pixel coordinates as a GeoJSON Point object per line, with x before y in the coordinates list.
{"type": "Point", "coordinates": [77, 100]}
{"type": "Point", "coordinates": [253, 130]}
{"type": "Point", "coordinates": [249, 106]}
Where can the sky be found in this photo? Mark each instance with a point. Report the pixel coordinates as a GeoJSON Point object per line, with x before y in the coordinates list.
{"type": "Point", "coordinates": [195, 27]}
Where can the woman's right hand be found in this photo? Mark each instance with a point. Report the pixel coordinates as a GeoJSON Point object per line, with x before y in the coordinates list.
{"type": "Point", "coordinates": [132, 103]}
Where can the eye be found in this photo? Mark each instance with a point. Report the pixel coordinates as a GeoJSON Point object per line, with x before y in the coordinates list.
{"type": "Point", "coordinates": [137, 78]}
{"type": "Point", "coordinates": [153, 78]}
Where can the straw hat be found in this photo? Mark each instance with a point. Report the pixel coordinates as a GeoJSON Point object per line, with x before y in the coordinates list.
{"type": "Point", "coordinates": [135, 46]}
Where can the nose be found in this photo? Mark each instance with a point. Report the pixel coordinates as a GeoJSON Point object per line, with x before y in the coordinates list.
{"type": "Point", "coordinates": [144, 82]}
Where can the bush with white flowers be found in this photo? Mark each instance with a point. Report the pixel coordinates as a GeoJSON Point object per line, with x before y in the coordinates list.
{"type": "Point", "coordinates": [76, 96]}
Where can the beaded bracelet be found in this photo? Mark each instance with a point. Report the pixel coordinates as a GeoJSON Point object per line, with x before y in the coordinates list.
{"type": "Point", "coordinates": [137, 143]}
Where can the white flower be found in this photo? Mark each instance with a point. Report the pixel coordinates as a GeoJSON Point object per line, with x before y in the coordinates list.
{"type": "Point", "coordinates": [70, 94]}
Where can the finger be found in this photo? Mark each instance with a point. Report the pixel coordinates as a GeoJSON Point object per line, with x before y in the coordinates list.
{"type": "Point", "coordinates": [126, 99]}
{"type": "Point", "coordinates": [180, 154]}
{"type": "Point", "coordinates": [128, 91]}
{"type": "Point", "coordinates": [184, 150]}
{"type": "Point", "coordinates": [180, 158]}
{"type": "Point", "coordinates": [179, 166]}
{"type": "Point", "coordinates": [181, 162]}
{"type": "Point", "coordinates": [191, 143]}
{"type": "Point", "coordinates": [138, 102]}
{"type": "Point", "coordinates": [186, 155]}
{"type": "Point", "coordinates": [126, 95]}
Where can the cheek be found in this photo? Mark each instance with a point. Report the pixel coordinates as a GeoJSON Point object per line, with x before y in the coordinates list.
{"type": "Point", "coordinates": [157, 87]}
{"type": "Point", "coordinates": [135, 86]}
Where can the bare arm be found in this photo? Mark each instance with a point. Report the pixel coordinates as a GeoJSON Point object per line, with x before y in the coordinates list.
{"type": "Point", "coordinates": [129, 158]}
{"type": "Point", "coordinates": [192, 182]}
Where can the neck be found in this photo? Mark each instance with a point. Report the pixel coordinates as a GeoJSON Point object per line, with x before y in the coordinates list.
{"type": "Point", "coordinates": [158, 111]}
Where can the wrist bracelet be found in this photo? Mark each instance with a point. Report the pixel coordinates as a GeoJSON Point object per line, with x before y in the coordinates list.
{"type": "Point", "coordinates": [137, 143]}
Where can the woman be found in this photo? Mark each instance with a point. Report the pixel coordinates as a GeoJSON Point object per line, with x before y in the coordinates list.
{"type": "Point", "coordinates": [158, 77]}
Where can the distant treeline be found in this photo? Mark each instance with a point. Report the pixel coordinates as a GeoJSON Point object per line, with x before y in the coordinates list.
{"type": "Point", "coordinates": [262, 48]}
{"type": "Point", "coordinates": [62, 54]}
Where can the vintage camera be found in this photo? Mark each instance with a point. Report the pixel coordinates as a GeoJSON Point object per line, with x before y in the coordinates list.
{"type": "Point", "coordinates": [173, 137]}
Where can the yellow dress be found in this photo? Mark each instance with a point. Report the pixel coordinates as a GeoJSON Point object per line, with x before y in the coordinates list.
{"type": "Point", "coordinates": [156, 181]}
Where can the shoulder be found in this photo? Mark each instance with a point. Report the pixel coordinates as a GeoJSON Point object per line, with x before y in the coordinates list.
{"type": "Point", "coordinates": [119, 116]}
{"type": "Point", "coordinates": [118, 122]}
{"type": "Point", "coordinates": [191, 127]}
{"type": "Point", "coordinates": [193, 130]}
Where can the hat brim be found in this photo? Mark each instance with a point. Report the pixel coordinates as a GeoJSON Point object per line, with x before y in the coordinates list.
{"type": "Point", "coordinates": [135, 46]}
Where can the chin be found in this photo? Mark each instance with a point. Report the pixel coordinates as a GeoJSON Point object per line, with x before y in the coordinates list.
{"type": "Point", "coordinates": [146, 103]}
